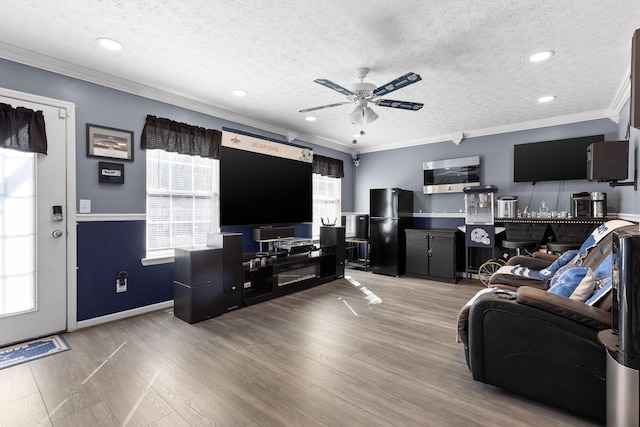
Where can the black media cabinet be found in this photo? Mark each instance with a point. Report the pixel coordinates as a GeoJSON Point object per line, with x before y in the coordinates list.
{"type": "Point", "coordinates": [273, 274]}
{"type": "Point", "coordinates": [211, 280]}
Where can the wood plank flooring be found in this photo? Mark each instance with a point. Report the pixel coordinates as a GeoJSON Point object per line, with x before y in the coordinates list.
{"type": "Point", "coordinates": [380, 352]}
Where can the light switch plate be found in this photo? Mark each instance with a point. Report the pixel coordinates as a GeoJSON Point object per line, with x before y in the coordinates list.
{"type": "Point", "coordinates": [85, 206]}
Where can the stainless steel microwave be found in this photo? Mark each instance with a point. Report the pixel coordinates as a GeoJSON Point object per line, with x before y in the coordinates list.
{"type": "Point", "coordinates": [452, 175]}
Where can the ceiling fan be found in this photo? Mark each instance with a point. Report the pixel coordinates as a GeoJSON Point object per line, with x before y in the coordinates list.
{"type": "Point", "coordinates": [364, 93]}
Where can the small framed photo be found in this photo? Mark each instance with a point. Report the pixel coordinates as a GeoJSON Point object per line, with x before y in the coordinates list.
{"type": "Point", "coordinates": [109, 143]}
{"type": "Point", "coordinates": [111, 173]}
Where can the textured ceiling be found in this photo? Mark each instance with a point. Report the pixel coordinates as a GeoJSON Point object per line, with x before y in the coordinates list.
{"type": "Point", "coordinates": [471, 54]}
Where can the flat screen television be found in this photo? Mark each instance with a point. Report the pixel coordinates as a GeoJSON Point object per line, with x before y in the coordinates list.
{"type": "Point", "coordinates": [261, 189]}
{"type": "Point", "coordinates": [559, 160]}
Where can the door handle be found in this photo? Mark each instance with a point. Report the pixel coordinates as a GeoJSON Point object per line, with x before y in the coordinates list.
{"type": "Point", "coordinates": [57, 233]}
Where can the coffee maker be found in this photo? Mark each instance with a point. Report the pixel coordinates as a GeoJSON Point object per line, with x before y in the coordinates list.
{"type": "Point", "coordinates": [581, 205]}
{"type": "Point", "coordinates": [589, 204]}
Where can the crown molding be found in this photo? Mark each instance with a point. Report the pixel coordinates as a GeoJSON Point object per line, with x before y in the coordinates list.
{"type": "Point", "coordinates": [57, 66]}
{"type": "Point", "coordinates": [621, 96]}
{"type": "Point", "coordinates": [495, 130]}
{"type": "Point", "coordinates": [51, 64]}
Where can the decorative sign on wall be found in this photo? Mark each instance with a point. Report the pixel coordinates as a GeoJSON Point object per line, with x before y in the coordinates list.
{"type": "Point", "coordinates": [112, 173]}
{"type": "Point", "coordinates": [265, 146]}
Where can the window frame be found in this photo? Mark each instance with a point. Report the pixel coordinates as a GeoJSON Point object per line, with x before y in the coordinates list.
{"type": "Point", "coordinates": [335, 197]}
{"type": "Point", "coordinates": [160, 255]}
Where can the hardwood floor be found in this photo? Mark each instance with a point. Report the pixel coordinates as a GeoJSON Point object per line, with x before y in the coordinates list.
{"type": "Point", "coordinates": [380, 352]}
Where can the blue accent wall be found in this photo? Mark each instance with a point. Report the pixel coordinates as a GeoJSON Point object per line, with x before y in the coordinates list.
{"type": "Point", "coordinates": [106, 248]}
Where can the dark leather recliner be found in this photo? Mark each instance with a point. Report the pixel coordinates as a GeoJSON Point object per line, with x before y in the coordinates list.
{"type": "Point", "coordinates": [539, 344]}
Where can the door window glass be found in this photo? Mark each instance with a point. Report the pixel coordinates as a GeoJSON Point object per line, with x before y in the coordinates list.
{"type": "Point", "coordinates": [17, 232]}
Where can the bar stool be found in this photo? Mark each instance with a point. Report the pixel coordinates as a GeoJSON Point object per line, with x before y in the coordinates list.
{"type": "Point", "coordinates": [562, 247]}
{"type": "Point", "coordinates": [527, 246]}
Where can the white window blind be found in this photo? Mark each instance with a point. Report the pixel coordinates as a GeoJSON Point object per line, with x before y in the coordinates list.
{"type": "Point", "coordinates": [182, 205]}
{"type": "Point", "coordinates": [326, 201]}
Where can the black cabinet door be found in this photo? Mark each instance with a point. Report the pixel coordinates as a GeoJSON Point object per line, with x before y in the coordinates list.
{"type": "Point", "coordinates": [442, 256]}
{"type": "Point", "coordinates": [431, 254]}
{"type": "Point", "coordinates": [417, 253]}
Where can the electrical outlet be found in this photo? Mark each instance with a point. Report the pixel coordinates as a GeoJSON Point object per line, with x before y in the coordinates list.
{"type": "Point", "coordinates": [121, 281]}
{"type": "Point", "coordinates": [121, 285]}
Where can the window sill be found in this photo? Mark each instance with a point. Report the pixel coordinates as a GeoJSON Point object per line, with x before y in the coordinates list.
{"type": "Point", "coordinates": [157, 260]}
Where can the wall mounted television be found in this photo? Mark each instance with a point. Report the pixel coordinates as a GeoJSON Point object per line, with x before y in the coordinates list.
{"type": "Point", "coordinates": [264, 189]}
{"type": "Point", "coordinates": [561, 159]}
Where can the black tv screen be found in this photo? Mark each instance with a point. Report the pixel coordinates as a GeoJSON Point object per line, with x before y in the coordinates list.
{"type": "Point", "coordinates": [259, 189]}
{"type": "Point", "coordinates": [560, 159]}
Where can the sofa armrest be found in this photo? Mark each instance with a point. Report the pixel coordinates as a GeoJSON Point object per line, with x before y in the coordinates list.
{"type": "Point", "coordinates": [569, 309]}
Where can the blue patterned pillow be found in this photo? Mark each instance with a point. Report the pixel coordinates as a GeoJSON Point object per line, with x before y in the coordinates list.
{"type": "Point", "coordinates": [570, 278]}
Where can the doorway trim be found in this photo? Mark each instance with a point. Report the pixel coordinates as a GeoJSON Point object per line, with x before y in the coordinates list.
{"type": "Point", "coordinates": [68, 109]}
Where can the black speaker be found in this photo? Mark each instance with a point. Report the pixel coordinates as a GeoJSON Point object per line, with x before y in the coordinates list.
{"type": "Point", "coordinates": [273, 233]}
{"type": "Point", "coordinates": [634, 115]}
{"type": "Point", "coordinates": [333, 237]}
{"type": "Point", "coordinates": [608, 161]}
{"type": "Point", "coordinates": [232, 272]}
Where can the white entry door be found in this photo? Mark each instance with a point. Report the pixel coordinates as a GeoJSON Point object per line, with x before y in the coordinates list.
{"type": "Point", "coordinates": [33, 241]}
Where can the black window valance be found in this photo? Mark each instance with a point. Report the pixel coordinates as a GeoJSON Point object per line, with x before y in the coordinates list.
{"type": "Point", "coordinates": [175, 137]}
{"type": "Point", "coordinates": [327, 166]}
{"type": "Point", "coordinates": [22, 129]}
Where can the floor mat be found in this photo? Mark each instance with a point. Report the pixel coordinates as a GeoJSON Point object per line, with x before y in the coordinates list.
{"type": "Point", "coordinates": [32, 350]}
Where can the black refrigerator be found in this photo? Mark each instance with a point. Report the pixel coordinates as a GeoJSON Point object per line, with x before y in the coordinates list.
{"type": "Point", "coordinates": [390, 213]}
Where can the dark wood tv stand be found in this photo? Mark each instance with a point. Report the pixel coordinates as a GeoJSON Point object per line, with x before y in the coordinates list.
{"type": "Point", "coordinates": [211, 280]}
{"type": "Point", "coordinates": [277, 274]}
{"type": "Point", "coordinates": [273, 274]}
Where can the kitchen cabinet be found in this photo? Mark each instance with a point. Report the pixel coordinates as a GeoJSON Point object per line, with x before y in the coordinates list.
{"type": "Point", "coordinates": [431, 254]}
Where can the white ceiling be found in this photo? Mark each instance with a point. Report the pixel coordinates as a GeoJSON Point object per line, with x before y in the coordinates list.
{"type": "Point", "coordinates": [472, 56]}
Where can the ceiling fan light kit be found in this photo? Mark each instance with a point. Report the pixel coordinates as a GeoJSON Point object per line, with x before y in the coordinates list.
{"type": "Point", "coordinates": [363, 93]}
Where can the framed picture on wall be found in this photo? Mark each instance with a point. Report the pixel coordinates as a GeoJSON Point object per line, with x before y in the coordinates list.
{"type": "Point", "coordinates": [109, 142]}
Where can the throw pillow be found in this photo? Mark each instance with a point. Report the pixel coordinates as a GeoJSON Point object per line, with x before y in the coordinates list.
{"type": "Point", "coordinates": [568, 278]}
{"type": "Point", "coordinates": [585, 288]}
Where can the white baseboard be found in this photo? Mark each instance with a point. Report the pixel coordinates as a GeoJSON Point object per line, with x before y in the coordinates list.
{"type": "Point", "coordinates": [124, 314]}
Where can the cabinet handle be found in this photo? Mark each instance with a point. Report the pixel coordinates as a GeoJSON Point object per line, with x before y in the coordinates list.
{"type": "Point", "coordinates": [429, 252]}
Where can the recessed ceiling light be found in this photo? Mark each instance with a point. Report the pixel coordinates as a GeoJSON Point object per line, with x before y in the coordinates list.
{"type": "Point", "coordinates": [541, 56]}
{"type": "Point", "coordinates": [240, 92]}
{"type": "Point", "coordinates": [109, 43]}
{"type": "Point", "coordinates": [310, 119]}
{"type": "Point", "coordinates": [547, 98]}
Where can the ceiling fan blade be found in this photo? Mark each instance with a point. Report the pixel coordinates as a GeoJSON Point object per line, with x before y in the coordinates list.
{"type": "Point", "coordinates": [324, 106]}
{"type": "Point", "coordinates": [332, 85]}
{"type": "Point", "coordinates": [404, 105]}
{"type": "Point", "coordinates": [398, 83]}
